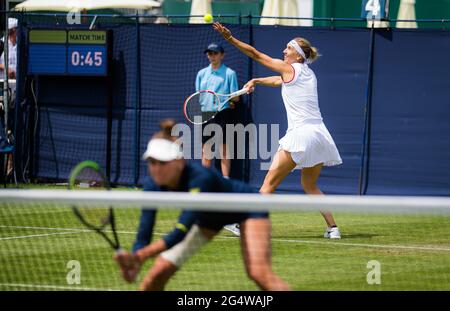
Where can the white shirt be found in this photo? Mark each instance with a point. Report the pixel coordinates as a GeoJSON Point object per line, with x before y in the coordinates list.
{"type": "Point", "coordinates": [300, 97]}
{"type": "Point", "coordinates": [12, 55]}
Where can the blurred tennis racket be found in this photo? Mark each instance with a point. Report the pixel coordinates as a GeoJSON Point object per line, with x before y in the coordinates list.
{"type": "Point", "coordinates": [87, 175]}
{"type": "Point", "coordinates": [202, 106]}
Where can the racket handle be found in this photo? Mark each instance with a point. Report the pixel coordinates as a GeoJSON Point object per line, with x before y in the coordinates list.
{"type": "Point", "coordinates": [120, 251]}
{"type": "Point", "coordinates": [239, 93]}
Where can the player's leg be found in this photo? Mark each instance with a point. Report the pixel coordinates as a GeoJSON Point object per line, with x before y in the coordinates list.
{"type": "Point", "coordinates": [206, 155]}
{"type": "Point", "coordinates": [207, 141]}
{"type": "Point", "coordinates": [226, 168]}
{"type": "Point", "coordinates": [310, 175]}
{"type": "Point", "coordinates": [256, 251]}
{"type": "Point", "coordinates": [309, 179]}
{"type": "Point", "coordinates": [225, 161]}
{"type": "Point", "coordinates": [227, 118]}
{"type": "Point", "coordinates": [159, 275]}
{"type": "Point", "coordinates": [280, 167]}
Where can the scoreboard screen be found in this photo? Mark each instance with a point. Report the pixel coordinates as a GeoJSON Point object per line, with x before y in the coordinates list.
{"type": "Point", "coordinates": [67, 52]}
{"type": "Point", "coordinates": [375, 9]}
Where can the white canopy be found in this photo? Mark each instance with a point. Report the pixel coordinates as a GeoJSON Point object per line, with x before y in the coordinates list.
{"type": "Point", "coordinates": [200, 7]}
{"type": "Point", "coordinates": [279, 8]}
{"type": "Point", "coordinates": [80, 5]}
{"type": "Point", "coordinates": [407, 11]}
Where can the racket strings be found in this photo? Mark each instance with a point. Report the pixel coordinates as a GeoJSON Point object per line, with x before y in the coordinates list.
{"type": "Point", "coordinates": [98, 217]}
{"type": "Point", "coordinates": [202, 107]}
{"type": "Point", "coordinates": [90, 179]}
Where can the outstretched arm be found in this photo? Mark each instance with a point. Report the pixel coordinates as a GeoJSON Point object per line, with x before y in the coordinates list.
{"type": "Point", "coordinates": [145, 230]}
{"type": "Point", "coordinates": [274, 81]}
{"type": "Point", "coordinates": [277, 65]}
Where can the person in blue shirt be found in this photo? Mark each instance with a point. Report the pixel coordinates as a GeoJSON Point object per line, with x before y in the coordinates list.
{"type": "Point", "coordinates": [222, 80]}
{"type": "Point", "coordinates": [168, 171]}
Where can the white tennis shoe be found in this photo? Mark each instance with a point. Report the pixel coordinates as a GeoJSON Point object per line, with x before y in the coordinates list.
{"type": "Point", "coordinates": [233, 228]}
{"type": "Point", "coordinates": [332, 233]}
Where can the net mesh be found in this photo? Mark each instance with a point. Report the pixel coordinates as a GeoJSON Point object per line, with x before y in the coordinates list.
{"type": "Point", "coordinates": [151, 79]}
{"type": "Point", "coordinates": [387, 244]}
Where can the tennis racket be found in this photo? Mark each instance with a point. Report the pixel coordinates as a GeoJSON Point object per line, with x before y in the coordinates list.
{"type": "Point", "coordinates": [203, 106]}
{"type": "Point", "coordinates": [87, 175]}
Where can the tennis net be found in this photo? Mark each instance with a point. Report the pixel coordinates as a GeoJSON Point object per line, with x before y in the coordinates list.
{"type": "Point", "coordinates": [388, 243]}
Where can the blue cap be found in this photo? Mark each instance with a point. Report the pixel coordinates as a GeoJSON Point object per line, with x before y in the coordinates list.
{"type": "Point", "coordinates": [214, 47]}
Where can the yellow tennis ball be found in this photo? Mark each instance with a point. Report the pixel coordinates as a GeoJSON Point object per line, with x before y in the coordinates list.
{"type": "Point", "coordinates": [208, 18]}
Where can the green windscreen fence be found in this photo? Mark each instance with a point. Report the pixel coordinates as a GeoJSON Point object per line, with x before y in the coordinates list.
{"type": "Point", "coordinates": [425, 9]}
{"type": "Point", "coordinates": [240, 10]}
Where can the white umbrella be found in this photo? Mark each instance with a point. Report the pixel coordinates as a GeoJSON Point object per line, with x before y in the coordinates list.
{"type": "Point", "coordinates": [81, 5]}
{"type": "Point", "coordinates": [200, 7]}
{"type": "Point", "coordinates": [305, 9]}
{"type": "Point", "coordinates": [280, 8]}
{"type": "Point", "coordinates": [407, 11]}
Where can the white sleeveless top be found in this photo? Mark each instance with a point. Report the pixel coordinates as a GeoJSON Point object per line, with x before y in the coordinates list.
{"type": "Point", "coordinates": [307, 139]}
{"type": "Point", "coordinates": [300, 97]}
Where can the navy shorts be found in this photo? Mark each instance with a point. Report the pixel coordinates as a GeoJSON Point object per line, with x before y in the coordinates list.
{"type": "Point", "coordinates": [216, 220]}
{"type": "Point", "coordinates": [224, 117]}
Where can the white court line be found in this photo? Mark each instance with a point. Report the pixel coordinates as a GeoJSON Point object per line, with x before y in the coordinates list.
{"type": "Point", "coordinates": [336, 243]}
{"type": "Point", "coordinates": [329, 243]}
{"type": "Point", "coordinates": [55, 287]}
{"type": "Point", "coordinates": [45, 228]}
{"type": "Point", "coordinates": [34, 236]}
{"type": "Point", "coordinates": [62, 229]}
{"type": "Point", "coordinates": [68, 231]}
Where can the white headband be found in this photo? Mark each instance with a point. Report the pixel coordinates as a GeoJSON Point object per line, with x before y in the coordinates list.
{"type": "Point", "coordinates": [297, 47]}
{"type": "Point", "coordinates": [163, 150]}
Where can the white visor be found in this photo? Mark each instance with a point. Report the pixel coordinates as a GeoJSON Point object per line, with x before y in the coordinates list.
{"type": "Point", "coordinates": [162, 150]}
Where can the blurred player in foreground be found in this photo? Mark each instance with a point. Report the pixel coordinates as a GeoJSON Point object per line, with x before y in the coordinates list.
{"type": "Point", "coordinates": [170, 172]}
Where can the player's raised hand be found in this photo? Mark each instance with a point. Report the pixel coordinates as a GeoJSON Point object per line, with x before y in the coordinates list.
{"type": "Point", "coordinates": [224, 31]}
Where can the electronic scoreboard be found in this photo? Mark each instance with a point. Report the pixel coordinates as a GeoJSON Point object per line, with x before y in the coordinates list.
{"type": "Point", "coordinates": [68, 52]}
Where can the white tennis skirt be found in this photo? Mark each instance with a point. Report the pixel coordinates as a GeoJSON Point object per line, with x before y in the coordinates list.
{"type": "Point", "coordinates": [311, 144]}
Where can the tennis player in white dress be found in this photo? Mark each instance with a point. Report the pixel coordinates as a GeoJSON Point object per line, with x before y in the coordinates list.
{"type": "Point", "coordinates": [307, 143]}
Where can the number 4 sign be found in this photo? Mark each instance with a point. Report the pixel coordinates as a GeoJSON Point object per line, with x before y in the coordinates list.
{"type": "Point", "coordinates": [375, 9]}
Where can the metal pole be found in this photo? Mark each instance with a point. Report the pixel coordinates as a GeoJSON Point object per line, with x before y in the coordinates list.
{"type": "Point", "coordinates": [6, 85]}
{"type": "Point", "coordinates": [19, 95]}
{"type": "Point", "coordinates": [364, 171]}
{"type": "Point", "coordinates": [248, 112]}
{"type": "Point", "coordinates": [6, 69]}
{"type": "Point", "coordinates": [137, 105]}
